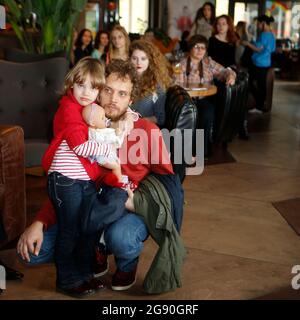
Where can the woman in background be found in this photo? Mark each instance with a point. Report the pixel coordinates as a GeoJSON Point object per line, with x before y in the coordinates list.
{"type": "Point", "coordinates": [83, 45]}
{"type": "Point", "coordinates": [152, 68]}
{"type": "Point", "coordinates": [101, 46]}
{"type": "Point", "coordinates": [118, 45]}
{"type": "Point", "coordinates": [204, 20]}
{"type": "Point", "coordinates": [197, 68]}
{"type": "Point", "coordinates": [222, 44]}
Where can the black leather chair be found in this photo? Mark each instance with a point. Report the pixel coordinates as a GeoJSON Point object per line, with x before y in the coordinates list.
{"type": "Point", "coordinates": [29, 98]}
{"type": "Point", "coordinates": [181, 113]}
{"type": "Point", "coordinates": [231, 108]}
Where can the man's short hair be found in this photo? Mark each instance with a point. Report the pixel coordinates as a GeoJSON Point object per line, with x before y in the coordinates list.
{"type": "Point", "coordinates": [124, 70]}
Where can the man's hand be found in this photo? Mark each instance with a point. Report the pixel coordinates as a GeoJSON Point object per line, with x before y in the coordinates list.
{"type": "Point", "coordinates": [129, 204]}
{"type": "Point", "coordinates": [126, 124]}
{"type": "Point", "coordinates": [31, 241]}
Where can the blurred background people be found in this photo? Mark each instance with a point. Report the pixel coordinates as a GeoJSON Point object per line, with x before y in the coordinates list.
{"type": "Point", "coordinates": [197, 68]}
{"type": "Point", "coordinates": [153, 71]}
{"type": "Point", "coordinates": [119, 44]}
{"type": "Point", "coordinates": [183, 44]}
{"type": "Point", "coordinates": [83, 45]}
{"type": "Point", "coordinates": [222, 44]}
{"type": "Point", "coordinates": [101, 46]}
{"type": "Point", "coordinates": [261, 58]}
{"type": "Point", "coordinates": [205, 18]}
{"type": "Point", "coordinates": [242, 34]}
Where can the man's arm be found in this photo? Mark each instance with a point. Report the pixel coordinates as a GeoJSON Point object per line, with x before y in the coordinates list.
{"type": "Point", "coordinates": [46, 215]}
{"type": "Point", "coordinates": [32, 238]}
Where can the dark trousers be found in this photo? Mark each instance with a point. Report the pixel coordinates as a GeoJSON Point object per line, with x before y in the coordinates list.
{"type": "Point", "coordinates": [205, 120]}
{"type": "Point", "coordinates": [258, 85]}
{"type": "Point", "coordinates": [73, 252]}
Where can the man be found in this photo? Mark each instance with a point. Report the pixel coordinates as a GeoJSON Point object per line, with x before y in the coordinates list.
{"type": "Point", "coordinates": [124, 238]}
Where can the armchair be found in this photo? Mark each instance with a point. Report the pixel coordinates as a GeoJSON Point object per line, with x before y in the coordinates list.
{"type": "Point", "coordinates": [181, 113]}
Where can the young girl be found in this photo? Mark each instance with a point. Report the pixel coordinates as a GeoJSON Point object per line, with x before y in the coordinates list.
{"type": "Point", "coordinates": [118, 45]}
{"type": "Point", "coordinates": [152, 69]}
{"type": "Point", "coordinates": [71, 177]}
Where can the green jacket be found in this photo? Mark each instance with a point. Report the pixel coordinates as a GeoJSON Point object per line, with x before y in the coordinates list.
{"type": "Point", "coordinates": [152, 202]}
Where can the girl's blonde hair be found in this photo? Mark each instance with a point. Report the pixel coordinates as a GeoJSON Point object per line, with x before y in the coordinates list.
{"type": "Point", "coordinates": [86, 66]}
{"type": "Point", "coordinates": [158, 71]}
{"type": "Point", "coordinates": [127, 40]}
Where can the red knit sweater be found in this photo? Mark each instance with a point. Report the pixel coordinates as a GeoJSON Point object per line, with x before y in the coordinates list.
{"type": "Point", "coordinates": [144, 147]}
{"type": "Point", "coordinates": [69, 125]}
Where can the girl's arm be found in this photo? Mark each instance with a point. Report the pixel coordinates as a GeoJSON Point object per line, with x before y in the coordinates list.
{"type": "Point", "coordinates": [93, 148]}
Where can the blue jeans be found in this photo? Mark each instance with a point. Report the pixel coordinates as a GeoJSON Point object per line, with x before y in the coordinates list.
{"type": "Point", "coordinates": [73, 251]}
{"type": "Point", "coordinates": [124, 239]}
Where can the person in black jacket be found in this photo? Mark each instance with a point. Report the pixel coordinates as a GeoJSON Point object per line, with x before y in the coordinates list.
{"type": "Point", "coordinates": [222, 44]}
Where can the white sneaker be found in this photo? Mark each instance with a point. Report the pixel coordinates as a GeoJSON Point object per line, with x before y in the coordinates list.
{"type": "Point", "coordinates": [255, 111]}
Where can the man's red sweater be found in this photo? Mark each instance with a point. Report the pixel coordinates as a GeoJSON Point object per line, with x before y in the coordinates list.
{"type": "Point", "coordinates": [142, 152]}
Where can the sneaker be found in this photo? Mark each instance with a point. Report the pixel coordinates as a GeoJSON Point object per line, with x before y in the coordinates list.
{"type": "Point", "coordinates": [101, 265]}
{"type": "Point", "coordinates": [123, 280]}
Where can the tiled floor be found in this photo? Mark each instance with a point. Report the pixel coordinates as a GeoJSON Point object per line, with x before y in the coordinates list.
{"type": "Point", "coordinates": [239, 246]}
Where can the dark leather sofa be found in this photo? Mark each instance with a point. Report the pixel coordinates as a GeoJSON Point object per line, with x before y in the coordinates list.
{"type": "Point", "coordinates": [181, 113]}
{"type": "Point", "coordinates": [231, 108]}
{"type": "Point", "coordinates": [29, 94]}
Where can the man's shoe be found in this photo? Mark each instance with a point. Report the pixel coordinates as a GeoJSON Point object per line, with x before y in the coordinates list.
{"type": "Point", "coordinates": [123, 280]}
{"type": "Point", "coordinates": [101, 265]}
{"type": "Point", "coordinates": [81, 291]}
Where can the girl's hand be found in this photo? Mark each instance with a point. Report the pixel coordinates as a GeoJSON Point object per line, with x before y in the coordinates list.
{"type": "Point", "coordinates": [129, 204]}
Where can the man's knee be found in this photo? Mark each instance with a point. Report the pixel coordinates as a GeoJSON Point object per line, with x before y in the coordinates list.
{"type": "Point", "coordinates": [41, 258]}
{"type": "Point", "coordinates": [125, 237]}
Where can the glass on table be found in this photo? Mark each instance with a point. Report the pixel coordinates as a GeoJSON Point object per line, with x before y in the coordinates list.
{"type": "Point", "coordinates": [177, 68]}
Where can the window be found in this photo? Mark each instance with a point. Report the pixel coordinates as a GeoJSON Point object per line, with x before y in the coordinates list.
{"type": "Point", "coordinates": [222, 7]}
{"type": "Point", "coordinates": [134, 15]}
{"type": "Point", "coordinates": [287, 18]}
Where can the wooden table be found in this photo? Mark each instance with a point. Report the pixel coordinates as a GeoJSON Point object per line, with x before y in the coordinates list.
{"type": "Point", "coordinates": [199, 90]}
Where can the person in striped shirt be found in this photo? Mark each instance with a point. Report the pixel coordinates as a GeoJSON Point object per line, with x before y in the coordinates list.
{"type": "Point", "coordinates": [72, 176]}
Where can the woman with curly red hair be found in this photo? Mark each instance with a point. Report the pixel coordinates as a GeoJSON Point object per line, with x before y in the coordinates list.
{"type": "Point", "coordinates": [153, 71]}
{"type": "Point", "coordinates": [222, 44]}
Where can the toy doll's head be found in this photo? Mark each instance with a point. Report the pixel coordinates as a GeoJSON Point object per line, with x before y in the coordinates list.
{"type": "Point", "coordinates": [94, 116]}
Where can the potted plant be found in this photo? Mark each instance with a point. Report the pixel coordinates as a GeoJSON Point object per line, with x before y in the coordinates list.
{"type": "Point", "coordinates": [44, 26]}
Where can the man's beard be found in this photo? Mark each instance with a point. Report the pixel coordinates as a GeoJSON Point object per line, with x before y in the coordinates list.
{"type": "Point", "coordinates": [116, 117]}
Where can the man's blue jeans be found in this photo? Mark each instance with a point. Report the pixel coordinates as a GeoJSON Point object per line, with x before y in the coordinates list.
{"type": "Point", "coordinates": [124, 239]}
